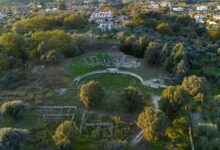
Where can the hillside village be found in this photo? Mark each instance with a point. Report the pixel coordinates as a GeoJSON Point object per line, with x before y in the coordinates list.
{"type": "Point", "coordinates": [205, 14]}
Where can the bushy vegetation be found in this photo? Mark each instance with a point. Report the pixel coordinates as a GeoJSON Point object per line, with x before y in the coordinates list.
{"type": "Point", "coordinates": [182, 25]}
{"type": "Point", "coordinates": [66, 134]}
{"type": "Point", "coordinates": [74, 21]}
{"type": "Point", "coordinates": [134, 45]}
{"type": "Point", "coordinates": [153, 123]}
{"type": "Point", "coordinates": [207, 137]}
{"type": "Point", "coordinates": [14, 109]}
{"type": "Point", "coordinates": [196, 86]}
{"type": "Point", "coordinates": [91, 94]}
{"type": "Point", "coordinates": [33, 24]}
{"type": "Point", "coordinates": [12, 138]}
{"type": "Point", "coordinates": [132, 99]}
{"type": "Point", "coordinates": [152, 54]}
{"type": "Point", "coordinates": [45, 47]}
{"type": "Point", "coordinates": [56, 41]}
{"type": "Point", "coordinates": [173, 99]}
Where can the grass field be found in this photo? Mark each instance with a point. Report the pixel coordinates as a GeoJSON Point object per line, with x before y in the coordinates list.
{"type": "Point", "coordinates": [114, 85]}
{"type": "Point", "coordinates": [78, 65]}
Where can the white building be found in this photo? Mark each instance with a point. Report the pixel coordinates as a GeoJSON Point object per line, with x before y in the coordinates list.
{"type": "Point", "coordinates": [199, 18]}
{"type": "Point", "coordinates": [178, 9]}
{"type": "Point", "coordinates": [106, 26]}
{"type": "Point", "coordinates": [103, 19]}
{"type": "Point", "coordinates": [202, 8]}
{"type": "Point", "coordinates": [39, 6]}
{"type": "Point", "coordinates": [101, 16]}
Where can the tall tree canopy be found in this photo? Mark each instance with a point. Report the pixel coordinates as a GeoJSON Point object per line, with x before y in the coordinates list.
{"type": "Point", "coordinates": [75, 21]}
{"type": "Point", "coordinates": [173, 99]}
{"type": "Point", "coordinates": [91, 94]}
{"type": "Point", "coordinates": [196, 86]}
{"type": "Point", "coordinates": [66, 134]}
{"type": "Point", "coordinates": [32, 24]}
{"type": "Point", "coordinates": [153, 123]}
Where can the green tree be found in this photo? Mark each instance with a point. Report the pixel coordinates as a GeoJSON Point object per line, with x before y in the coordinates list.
{"type": "Point", "coordinates": [74, 21]}
{"type": "Point", "coordinates": [152, 53]}
{"type": "Point", "coordinates": [65, 135]}
{"type": "Point", "coordinates": [91, 94]}
{"type": "Point", "coordinates": [196, 86]}
{"type": "Point", "coordinates": [153, 123]}
{"type": "Point", "coordinates": [55, 39]}
{"type": "Point", "coordinates": [12, 138]}
{"type": "Point", "coordinates": [32, 24]}
{"type": "Point", "coordinates": [132, 99]}
{"type": "Point", "coordinates": [173, 99]}
{"type": "Point", "coordinates": [13, 44]}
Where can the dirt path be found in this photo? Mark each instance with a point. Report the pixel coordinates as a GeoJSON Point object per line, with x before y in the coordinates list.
{"type": "Point", "coordinates": [155, 99]}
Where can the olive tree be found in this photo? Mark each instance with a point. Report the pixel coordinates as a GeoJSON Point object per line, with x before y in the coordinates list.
{"type": "Point", "coordinates": [91, 93]}
{"type": "Point", "coordinates": [152, 53]}
{"type": "Point", "coordinates": [153, 123]}
{"type": "Point", "coordinates": [65, 135]}
{"type": "Point", "coordinates": [173, 99]}
{"type": "Point", "coordinates": [132, 99]}
{"type": "Point", "coordinates": [196, 86]}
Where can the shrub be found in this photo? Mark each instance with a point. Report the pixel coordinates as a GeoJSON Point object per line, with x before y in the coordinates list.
{"type": "Point", "coordinates": [14, 109]}
{"type": "Point", "coordinates": [11, 139]}
{"type": "Point", "coordinates": [91, 93]}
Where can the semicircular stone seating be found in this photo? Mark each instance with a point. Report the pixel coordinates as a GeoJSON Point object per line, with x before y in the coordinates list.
{"type": "Point", "coordinates": [153, 83]}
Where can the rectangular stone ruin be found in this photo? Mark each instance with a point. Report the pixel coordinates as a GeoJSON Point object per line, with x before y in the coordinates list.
{"type": "Point", "coordinates": [84, 123]}
{"type": "Point", "coordinates": [57, 112]}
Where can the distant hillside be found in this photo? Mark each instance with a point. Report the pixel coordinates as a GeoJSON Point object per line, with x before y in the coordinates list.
{"type": "Point", "coordinates": [23, 1]}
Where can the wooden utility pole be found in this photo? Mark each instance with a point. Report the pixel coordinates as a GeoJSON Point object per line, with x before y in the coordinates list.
{"type": "Point", "coordinates": [190, 128]}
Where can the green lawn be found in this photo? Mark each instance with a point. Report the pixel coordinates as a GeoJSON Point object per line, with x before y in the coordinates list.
{"type": "Point", "coordinates": [114, 85]}
{"type": "Point", "coordinates": [78, 65]}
